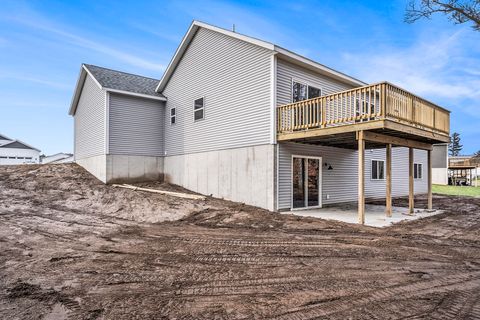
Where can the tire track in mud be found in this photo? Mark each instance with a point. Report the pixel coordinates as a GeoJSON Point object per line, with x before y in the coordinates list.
{"type": "Point", "coordinates": [454, 305]}
{"type": "Point", "coordinates": [269, 243]}
{"type": "Point", "coordinates": [447, 284]}
{"type": "Point", "coordinates": [256, 285]}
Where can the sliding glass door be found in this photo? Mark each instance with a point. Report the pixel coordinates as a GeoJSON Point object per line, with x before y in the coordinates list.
{"type": "Point", "coordinates": [306, 182]}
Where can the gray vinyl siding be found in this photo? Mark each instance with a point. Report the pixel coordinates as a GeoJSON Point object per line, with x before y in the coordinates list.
{"type": "Point", "coordinates": [341, 184]}
{"type": "Point", "coordinates": [286, 72]}
{"type": "Point", "coordinates": [136, 125]}
{"type": "Point", "coordinates": [440, 156]}
{"type": "Point", "coordinates": [233, 76]}
{"type": "Point", "coordinates": [89, 121]}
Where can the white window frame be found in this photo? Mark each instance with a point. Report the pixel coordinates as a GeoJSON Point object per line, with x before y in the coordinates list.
{"type": "Point", "coordinates": [203, 109]}
{"type": "Point", "coordinates": [174, 116]}
{"type": "Point", "coordinates": [371, 170]}
{"type": "Point", "coordinates": [308, 84]}
{"type": "Point", "coordinates": [419, 165]}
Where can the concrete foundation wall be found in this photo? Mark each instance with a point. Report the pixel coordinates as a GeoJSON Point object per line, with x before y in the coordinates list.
{"type": "Point", "coordinates": [123, 168]}
{"type": "Point", "coordinates": [242, 174]}
{"type": "Point", "coordinates": [440, 176]}
{"type": "Point", "coordinates": [96, 165]}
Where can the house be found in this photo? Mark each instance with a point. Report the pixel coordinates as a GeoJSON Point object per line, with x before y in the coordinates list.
{"type": "Point", "coordinates": [14, 151]}
{"type": "Point", "coordinates": [246, 120]}
{"type": "Point", "coordinates": [463, 170]}
{"type": "Point", "coordinates": [440, 164]}
{"type": "Point", "coordinates": [57, 158]}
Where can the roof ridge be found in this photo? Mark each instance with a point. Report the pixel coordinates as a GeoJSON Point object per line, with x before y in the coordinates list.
{"type": "Point", "coordinates": [128, 73]}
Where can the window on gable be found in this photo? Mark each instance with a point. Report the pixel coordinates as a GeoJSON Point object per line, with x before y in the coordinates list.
{"type": "Point", "coordinates": [417, 171]}
{"type": "Point", "coordinates": [199, 109]}
{"type": "Point", "coordinates": [173, 116]}
{"type": "Point", "coordinates": [378, 169]}
{"type": "Point", "coordinates": [302, 91]}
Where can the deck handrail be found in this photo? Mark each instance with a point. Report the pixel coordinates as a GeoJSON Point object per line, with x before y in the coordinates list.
{"type": "Point", "coordinates": [468, 162]}
{"type": "Point", "coordinates": [378, 101]}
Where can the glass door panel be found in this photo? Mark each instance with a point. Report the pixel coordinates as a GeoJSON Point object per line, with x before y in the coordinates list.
{"type": "Point", "coordinates": [298, 183]}
{"type": "Point", "coordinates": [305, 182]}
{"type": "Point", "coordinates": [313, 187]}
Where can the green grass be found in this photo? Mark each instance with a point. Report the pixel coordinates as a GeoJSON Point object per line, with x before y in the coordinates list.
{"type": "Point", "coordinates": [456, 190]}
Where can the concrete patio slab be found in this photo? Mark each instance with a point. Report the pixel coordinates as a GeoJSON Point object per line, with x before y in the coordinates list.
{"type": "Point", "coordinates": [374, 214]}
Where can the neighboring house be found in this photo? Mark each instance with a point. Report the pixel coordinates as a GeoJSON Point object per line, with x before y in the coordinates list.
{"type": "Point", "coordinates": [14, 151]}
{"type": "Point", "coordinates": [463, 170]}
{"type": "Point", "coordinates": [57, 158]}
{"type": "Point", "coordinates": [246, 120]}
{"type": "Point", "coordinates": [440, 164]}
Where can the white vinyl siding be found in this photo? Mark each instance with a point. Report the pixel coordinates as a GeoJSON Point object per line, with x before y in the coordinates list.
{"type": "Point", "coordinates": [234, 77]}
{"type": "Point", "coordinates": [340, 183]}
{"type": "Point", "coordinates": [287, 73]}
{"type": "Point", "coordinates": [136, 126]}
{"type": "Point", "coordinates": [89, 121]}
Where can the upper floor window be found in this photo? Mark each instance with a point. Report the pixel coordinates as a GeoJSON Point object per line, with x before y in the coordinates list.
{"type": "Point", "coordinates": [417, 171]}
{"type": "Point", "coordinates": [302, 91]}
{"type": "Point", "coordinates": [378, 169]}
{"type": "Point", "coordinates": [173, 116]}
{"type": "Point", "coordinates": [199, 109]}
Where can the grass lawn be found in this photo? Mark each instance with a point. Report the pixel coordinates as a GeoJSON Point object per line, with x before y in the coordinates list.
{"type": "Point", "coordinates": [456, 190]}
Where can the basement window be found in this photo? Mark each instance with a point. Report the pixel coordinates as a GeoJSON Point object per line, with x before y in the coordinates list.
{"type": "Point", "coordinates": [199, 109]}
{"type": "Point", "coordinates": [378, 169]}
{"type": "Point", "coordinates": [417, 171]}
{"type": "Point", "coordinates": [302, 91]}
{"type": "Point", "coordinates": [173, 116]}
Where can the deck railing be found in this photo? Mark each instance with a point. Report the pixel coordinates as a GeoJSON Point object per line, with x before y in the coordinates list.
{"type": "Point", "coordinates": [374, 102]}
{"type": "Point", "coordinates": [468, 162]}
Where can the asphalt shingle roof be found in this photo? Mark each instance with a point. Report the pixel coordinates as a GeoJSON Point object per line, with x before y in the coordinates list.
{"type": "Point", "coordinates": [118, 80]}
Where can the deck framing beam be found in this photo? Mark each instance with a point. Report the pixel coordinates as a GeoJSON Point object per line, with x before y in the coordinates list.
{"type": "Point", "coordinates": [382, 138]}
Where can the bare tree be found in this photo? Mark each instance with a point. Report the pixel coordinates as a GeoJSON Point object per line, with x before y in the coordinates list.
{"type": "Point", "coordinates": [457, 11]}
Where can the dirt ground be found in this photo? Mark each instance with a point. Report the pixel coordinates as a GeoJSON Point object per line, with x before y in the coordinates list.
{"type": "Point", "coordinates": [73, 248]}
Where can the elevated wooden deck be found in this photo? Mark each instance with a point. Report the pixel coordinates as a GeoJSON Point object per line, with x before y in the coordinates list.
{"type": "Point", "coordinates": [467, 163]}
{"type": "Point", "coordinates": [381, 108]}
{"type": "Point", "coordinates": [375, 116]}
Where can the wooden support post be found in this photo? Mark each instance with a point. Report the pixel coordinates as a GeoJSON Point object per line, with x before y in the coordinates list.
{"type": "Point", "coordinates": [429, 164]}
{"type": "Point", "coordinates": [471, 181]}
{"type": "Point", "coordinates": [388, 204]}
{"type": "Point", "coordinates": [476, 178]}
{"type": "Point", "coordinates": [410, 181]}
{"type": "Point", "coordinates": [361, 178]}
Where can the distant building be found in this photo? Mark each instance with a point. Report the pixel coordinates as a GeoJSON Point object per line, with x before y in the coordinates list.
{"type": "Point", "coordinates": [57, 158]}
{"type": "Point", "coordinates": [13, 151]}
{"type": "Point", "coordinates": [440, 164]}
{"type": "Point", "coordinates": [463, 170]}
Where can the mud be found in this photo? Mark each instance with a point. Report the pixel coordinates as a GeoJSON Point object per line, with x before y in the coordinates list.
{"type": "Point", "coordinates": [73, 248]}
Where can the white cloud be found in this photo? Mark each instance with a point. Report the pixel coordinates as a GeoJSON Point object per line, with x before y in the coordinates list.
{"type": "Point", "coordinates": [44, 82]}
{"type": "Point", "coordinates": [32, 20]}
{"type": "Point", "coordinates": [439, 66]}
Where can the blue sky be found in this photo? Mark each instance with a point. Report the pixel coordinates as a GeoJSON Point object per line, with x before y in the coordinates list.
{"type": "Point", "coordinates": [43, 43]}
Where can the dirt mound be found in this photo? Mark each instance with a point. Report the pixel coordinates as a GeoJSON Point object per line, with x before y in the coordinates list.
{"type": "Point", "coordinates": [73, 248]}
{"type": "Point", "coordinates": [70, 187]}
